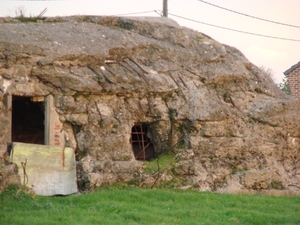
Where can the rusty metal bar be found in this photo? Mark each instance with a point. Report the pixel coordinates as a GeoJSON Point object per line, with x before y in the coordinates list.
{"type": "Point", "coordinates": [141, 140]}
{"type": "Point", "coordinates": [143, 146]}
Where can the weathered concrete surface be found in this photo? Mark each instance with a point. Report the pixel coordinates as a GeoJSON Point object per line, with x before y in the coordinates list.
{"type": "Point", "coordinates": [231, 127]}
{"type": "Point", "coordinates": [47, 170]}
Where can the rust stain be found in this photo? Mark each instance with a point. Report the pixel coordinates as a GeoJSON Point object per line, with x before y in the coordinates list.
{"type": "Point", "coordinates": [63, 157]}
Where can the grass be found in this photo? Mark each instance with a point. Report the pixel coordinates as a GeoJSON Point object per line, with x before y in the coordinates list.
{"type": "Point", "coordinates": [163, 162]}
{"type": "Point", "coordinates": [20, 15]}
{"type": "Point", "coordinates": [131, 205]}
{"type": "Point", "coordinates": [30, 19]}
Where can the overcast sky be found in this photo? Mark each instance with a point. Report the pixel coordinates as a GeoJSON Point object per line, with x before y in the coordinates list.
{"type": "Point", "coordinates": [278, 55]}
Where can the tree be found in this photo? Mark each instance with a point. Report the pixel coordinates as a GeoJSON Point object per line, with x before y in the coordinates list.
{"type": "Point", "coordinates": [284, 86]}
{"type": "Point", "coordinates": [284, 83]}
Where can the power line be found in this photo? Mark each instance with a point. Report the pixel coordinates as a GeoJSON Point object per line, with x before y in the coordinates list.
{"type": "Point", "coordinates": [254, 17]}
{"type": "Point", "coordinates": [226, 28]}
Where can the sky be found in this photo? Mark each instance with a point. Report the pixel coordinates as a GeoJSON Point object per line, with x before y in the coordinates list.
{"type": "Point", "coordinates": [270, 53]}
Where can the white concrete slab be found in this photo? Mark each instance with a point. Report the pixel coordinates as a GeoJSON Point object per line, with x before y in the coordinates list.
{"type": "Point", "coordinates": [48, 170]}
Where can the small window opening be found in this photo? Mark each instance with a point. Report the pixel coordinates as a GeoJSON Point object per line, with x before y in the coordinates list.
{"type": "Point", "coordinates": [141, 143]}
{"type": "Point", "coordinates": [28, 120]}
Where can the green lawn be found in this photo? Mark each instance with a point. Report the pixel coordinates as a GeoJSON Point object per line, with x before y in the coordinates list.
{"type": "Point", "coordinates": [130, 205]}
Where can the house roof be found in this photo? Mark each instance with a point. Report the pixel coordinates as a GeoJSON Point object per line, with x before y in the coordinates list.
{"type": "Point", "coordinates": [291, 69]}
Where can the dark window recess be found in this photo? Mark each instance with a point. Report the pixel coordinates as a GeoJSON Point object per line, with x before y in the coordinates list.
{"type": "Point", "coordinates": [27, 120]}
{"type": "Point", "coordinates": [141, 144]}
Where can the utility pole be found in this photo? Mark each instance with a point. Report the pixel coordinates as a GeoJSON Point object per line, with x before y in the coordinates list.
{"type": "Point", "coordinates": [165, 8]}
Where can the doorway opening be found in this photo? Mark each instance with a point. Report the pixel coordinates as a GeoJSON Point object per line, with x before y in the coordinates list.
{"type": "Point", "coordinates": [141, 143]}
{"type": "Point", "coordinates": [28, 116]}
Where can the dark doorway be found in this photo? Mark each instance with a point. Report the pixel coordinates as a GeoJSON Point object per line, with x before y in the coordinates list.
{"type": "Point", "coordinates": [141, 144]}
{"type": "Point", "coordinates": [27, 120]}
